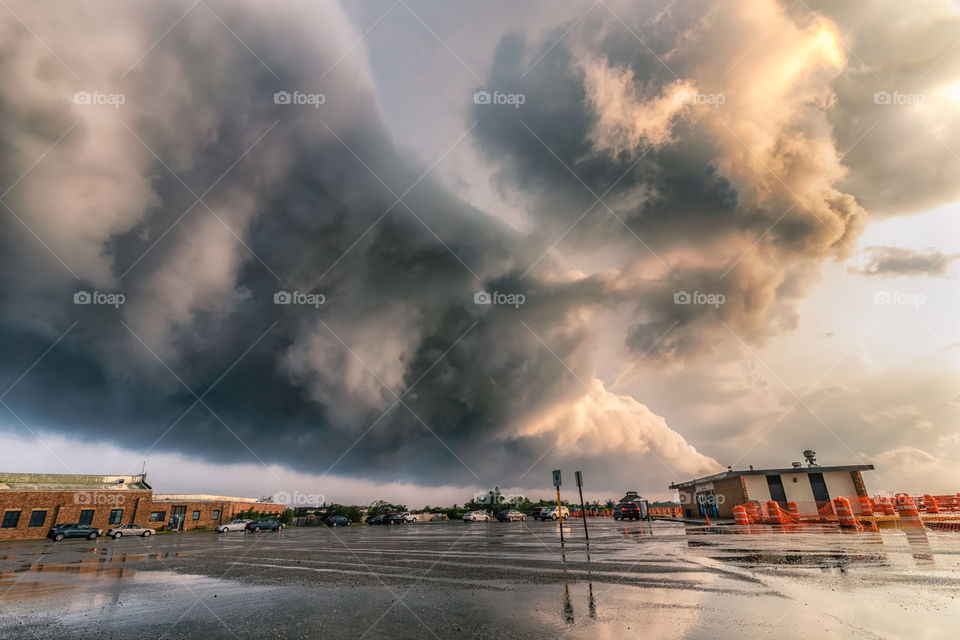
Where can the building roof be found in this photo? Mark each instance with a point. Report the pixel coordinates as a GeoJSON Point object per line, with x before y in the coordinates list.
{"type": "Point", "coordinates": [203, 497]}
{"type": "Point", "coordinates": [71, 482]}
{"type": "Point", "coordinates": [631, 496]}
{"type": "Point", "coordinates": [730, 473]}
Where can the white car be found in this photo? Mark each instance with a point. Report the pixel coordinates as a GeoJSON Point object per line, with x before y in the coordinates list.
{"type": "Point", "coordinates": [476, 516]}
{"type": "Point", "coordinates": [408, 517]}
{"type": "Point", "coordinates": [551, 513]}
{"type": "Point", "coordinates": [233, 525]}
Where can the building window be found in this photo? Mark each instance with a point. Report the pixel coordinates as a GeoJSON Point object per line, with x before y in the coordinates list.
{"type": "Point", "coordinates": [216, 514]}
{"type": "Point", "coordinates": [37, 518]}
{"type": "Point", "coordinates": [158, 516]}
{"type": "Point", "coordinates": [86, 516]}
{"type": "Point", "coordinates": [196, 515]}
{"type": "Point", "coordinates": [10, 519]}
{"type": "Point", "coordinates": [116, 516]}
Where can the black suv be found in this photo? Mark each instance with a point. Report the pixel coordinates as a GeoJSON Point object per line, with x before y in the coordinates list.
{"type": "Point", "coordinates": [626, 511]}
{"type": "Point", "coordinates": [394, 518]}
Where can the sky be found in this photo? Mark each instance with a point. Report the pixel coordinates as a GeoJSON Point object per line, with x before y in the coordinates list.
{"type": "Point", "coordinates": [410, 251]}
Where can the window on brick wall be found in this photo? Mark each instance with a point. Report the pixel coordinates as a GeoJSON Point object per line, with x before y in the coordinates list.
{"type": "Point", "coordinates": [116, 516]}
{"type": "Point", "coordinates": [158, 516]}
{"type": "Point", "coordinates": [37, 518]}
{"type": "Point", "coordinates": [10, 519]}
{"type": "Point", "coordinates": [86, 516]}
{"type": "Point", "coordinates": [196, 515]}
{"type": "Point", "coordinates": [216, 514]}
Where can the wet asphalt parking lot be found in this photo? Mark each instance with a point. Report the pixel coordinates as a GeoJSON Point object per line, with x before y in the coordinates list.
{"type": "Point", "coordinates": [486, 580]}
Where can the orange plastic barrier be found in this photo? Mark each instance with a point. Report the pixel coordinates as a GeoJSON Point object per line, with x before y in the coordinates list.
{"type": "Point", "coordinates": [775, 513]}
{"type": "Point", "coordinates": [793, 509]}
{"type": "Point", "coordinates": [865, 507]}
{"type": "Point", "coordinates": [907, 509]}
{"type": "Point", "coordinates": [844, 513]}
{"type": "Point", "coordinates": [930, 504]}
{"type": "Point", "coordinates": [753, 511]}
{"type": "Point", "coordinates": [740, 515]}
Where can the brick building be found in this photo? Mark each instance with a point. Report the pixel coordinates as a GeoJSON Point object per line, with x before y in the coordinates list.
{"type": "Point", "coordinates": [202, 511]}
{"type": "Point", "coordinates": [809, 487]}
{"type": "Point", "coordinates": [31, 503]}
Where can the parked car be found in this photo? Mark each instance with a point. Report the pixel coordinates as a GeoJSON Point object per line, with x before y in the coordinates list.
{"type": "Point", "coordinates": [510, 515]}
{"type": "Point", "coordinates": [338, 521]}
{"type": "Point", "coordinates": [551, 513]}
{"type": "Point", "coordinates": [626, 511]}
{"type": "Point", "coordinates": [263, 525]}
{"type": "Point", "coordinates": [394, 518]}
{"type": "Point", "coordinates": [538, 512]}
{"type": "Point", "coordinates": [408, 517]}
{"type": "Point", "coordinates": [233, 525]}
{"type": "Point", "coordinates": [130, 530]}
{"type": "Point", "coordinates": [476, 516]}
{"type": "Point", "coordinates": [376, 519]}
{"type": "Point", "coordinates": [73, 530]}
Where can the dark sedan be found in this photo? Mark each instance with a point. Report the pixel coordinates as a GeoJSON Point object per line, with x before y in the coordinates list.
{"type": "Point", "coordinates": [626, 511]}
{"type": "Point", "coordinates": [376, 520]}
{"type": "Point", "coordinates": [338, 521]}
{"type": "Point", "coordinates": [73, 530]}
{"type": "Point", "coordinates": [264, 525]}
{"type": "Point", "coordinates": [394, 518]}
{"type": "Point", "coordinates": [511, 515]}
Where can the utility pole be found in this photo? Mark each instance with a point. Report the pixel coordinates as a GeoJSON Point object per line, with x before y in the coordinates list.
{"type": "Point", "coordinates": [583, 511]}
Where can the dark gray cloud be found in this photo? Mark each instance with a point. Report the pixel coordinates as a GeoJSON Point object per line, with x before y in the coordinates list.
{"type": "Point", "coordinates": [898, 262]}
{"type": "Point", "coordinates": [300, 199]}
{"type": "Point", "coordinates": [398, 374]}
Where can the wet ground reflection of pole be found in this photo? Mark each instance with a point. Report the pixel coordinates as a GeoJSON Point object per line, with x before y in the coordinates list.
{"type": "Point", "coordinates": [567, 605]}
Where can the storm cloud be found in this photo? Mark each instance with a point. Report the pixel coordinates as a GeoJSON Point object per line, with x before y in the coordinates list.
{"type": "Point", "coordinates": [298, 289]}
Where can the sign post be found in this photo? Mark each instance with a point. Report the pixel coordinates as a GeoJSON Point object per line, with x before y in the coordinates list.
{"type": "Point", "coordinates": [556, 483]}
{"type": "Point", "coordinates": [583, 511]}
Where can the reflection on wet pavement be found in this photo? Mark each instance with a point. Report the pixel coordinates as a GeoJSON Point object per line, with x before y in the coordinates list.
{"type": "Point", "coordinates": [503, 580]}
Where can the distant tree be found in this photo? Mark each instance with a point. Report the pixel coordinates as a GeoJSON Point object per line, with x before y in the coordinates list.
{"type": "Point", "coordinates": [381, 506]}
{"type": "Point", "coordinates": [286, 517]}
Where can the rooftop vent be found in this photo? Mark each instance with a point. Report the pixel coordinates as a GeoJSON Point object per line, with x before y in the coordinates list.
{"type": "Point", "coordinates": [811, 457]}
{"type": "Point", "coordinates": [797, 465]}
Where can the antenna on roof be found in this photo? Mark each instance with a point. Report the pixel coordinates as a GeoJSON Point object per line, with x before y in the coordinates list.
{"type": "Point", "coordinates": [143, 469]}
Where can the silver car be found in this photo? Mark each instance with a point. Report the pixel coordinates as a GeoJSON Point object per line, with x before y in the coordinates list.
{"type": "Point", "coordinates": [130, 530]}
{"type": "Point", "coordinates": [233, 525]}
